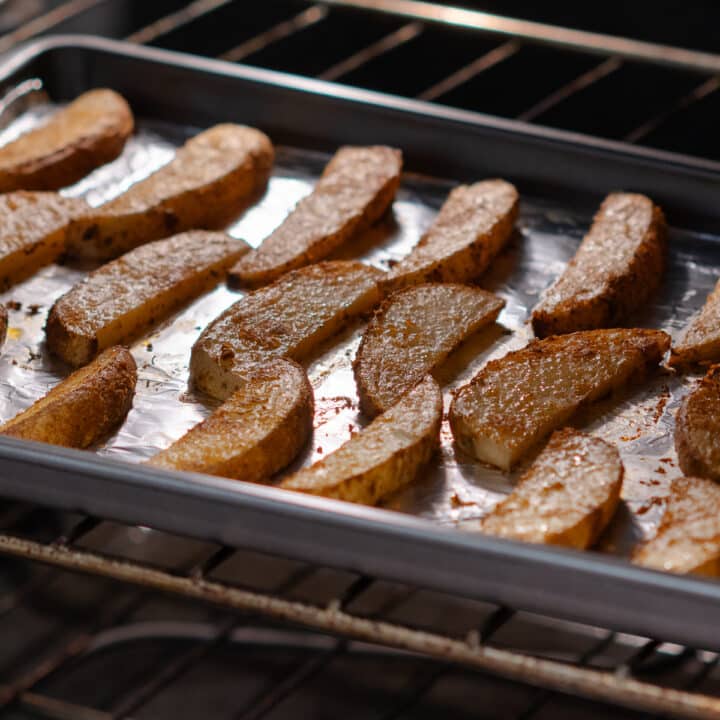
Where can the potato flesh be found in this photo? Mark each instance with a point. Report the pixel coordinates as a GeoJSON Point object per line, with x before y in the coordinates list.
{"type": "Point", "coordinates": [33, 231]}
{"type": "Point", "coordinates": [84, 407]}
{"type": "Point", "coordinates": [688, 539]}
{"type": "Point", "coordinates": [514, 402]}
{"type": "Point", "coordinates": [700, 343]}
{"type": "Point", "coordinates": [120, 299]}
{"type": "Point", "coordinates": [567, 497]}
{"type": "Point", "coordinates": [256, 432]}
{"type": "Point", "coordinates": [412, 334]}
{"type": "Point", "coordinates": [355, 189]}
{"type": "Point", "coordinates": [469, 231]}
{"type": "Point", "coordinates": [615, 271]}
{"type": "Point", "coordinates": [381, 458]}
{"type": "Point", "coordinates": [286, 319]}
{"type": "Point", "coordinates": [89, 132]}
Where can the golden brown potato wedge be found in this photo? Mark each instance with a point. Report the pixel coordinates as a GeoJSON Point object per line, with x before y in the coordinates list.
{"type": "Point", "coordinates": [257, 431]}
{"type": "Point", "coordinates": [33, 231]}
{"type": "Point", "coordinates": [85, 407]}
{"type": "Point", "coordinates": [3, 323]}
{"type": "Point", "coordinates": [700, 343]}
{"type": "Point", "coordinates": [119, 301]}
{"type": "Point", "coordinates": [412, 334]}
{"type": "Point", "coordinates": [356, 188]}
{"type": "Point", "coordinates": [206, 184]}
{"type": "Point", "coordinates": [470, 230]}
{"type": "Point", "coordinates": [688, 539]}
{"type": "Point", "coordinates": [383, 457]}
{"type": "Point", "coordinates": [517, 400]}
{"type": "Point", "coordinates": [615, 271]}
{"type": "Point", "coordinates": [567, 497]}
{"type": "Point", "coordinates": [697, 429]}
{"type": "Point", "coordinates": [89, 132]}
{"type": "Point", "coordinates": [289, 318]}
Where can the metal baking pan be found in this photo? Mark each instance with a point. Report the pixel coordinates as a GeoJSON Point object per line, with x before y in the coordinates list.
{"type": "Point", "coordinates": [562, 177]}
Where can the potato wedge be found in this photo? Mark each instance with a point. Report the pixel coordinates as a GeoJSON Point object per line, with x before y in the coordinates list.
{"type": "Point", "coordinates": [517, 400]}
{"type": "Point", "coordinates": [257, 431]}
{"type": "Point", "coordinates": [289, 318]}
{"type": "Point", "coordinates": [688, 539]}
{"type": "Point", "coordinates": [204, 186]}
{"type": "Point", "coordinates": [89, 132]}
{"type": "Point", "coordinates": [412, 334]}
{"type": "Point", "coordinates": [354, 191]}
{"type": "Point", "coordinates": [697, 429]}
{"type": "Point", "coordinates": [128, 296]}
{"type": "Point", "coordinates": [567, 497]}
{"type": "Point", "coordinates": [85, 407]}
{"type": "Point", "coordinates": [470, 230]}
{"type": "Point", "coordinates": [700, 343]}
{"type": "Point", "coordinates": [615, 271]}
{"type": "Point", "coordinates": [3, 323]}
{"type": "Point", "coordinates": [383, 457]}
{"type": "Point", "coordinates": [33, 231]}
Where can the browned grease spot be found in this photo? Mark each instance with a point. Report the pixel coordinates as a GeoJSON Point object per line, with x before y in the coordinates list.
{"type": "Point", "coordinates": [456, 501]}
{"type": "Point", "coordinates": [661, 403]}
{"type": "Point", "coordinates": [652, 502]}
{"type": "Point", "coordinates": [327, 407]}
{"type": "Point", "coordinates": [630, 438]}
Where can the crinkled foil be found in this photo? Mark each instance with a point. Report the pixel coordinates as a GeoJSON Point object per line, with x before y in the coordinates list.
{"type": "Point", "coordinates": [454, 488]}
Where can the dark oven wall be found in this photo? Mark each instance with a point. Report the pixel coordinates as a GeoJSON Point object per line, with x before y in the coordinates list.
{"type": "Point", "coordinates": [650, 102]}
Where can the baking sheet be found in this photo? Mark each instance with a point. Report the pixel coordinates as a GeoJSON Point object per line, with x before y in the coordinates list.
{"type": "Point", "coordinates": [454, 488]}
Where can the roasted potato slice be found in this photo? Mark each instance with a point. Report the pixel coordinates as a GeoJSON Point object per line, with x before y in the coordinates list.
{"type": "Point", "coordinates": [412, 334]}
{"type": "Point", "coordinates": [257, 431]}
{"type": "Point", "coordinates": [356, 188]}
{"type": "Point", "coordinates": [471, 228]}
{"type": "Point", "coordinates": [289, 318]}
{"type": "Point", "coordinates": [33, 231]}
{"type": "Point", "coordinates": [3, 323]}
{"type": "Point", "coordinates": [383, 457]}
{"type": "Point", "coordinates": [616, 269]}
{"type": "Point", "coordinates": [700, 343]}
{"type": "Point", "coordinates": [85, 407]}
{"type": "Point", "coordinates": [89, 132]}
{"type": "Point", "coordinates": [128, 296]}
{"type": "Point", "coordinates": [515, 401]}
{"type": "Point", "coordinates": [204, 186]}
{"type": "Point", "coordinates": [688, 539]}
{"type": "Point", "coordinates": [697, 429]}
{"type": "Point", "coordinates": [567, 497]}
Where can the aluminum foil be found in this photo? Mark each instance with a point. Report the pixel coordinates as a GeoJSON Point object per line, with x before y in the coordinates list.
{"type": "Point", "coordinates": [454, 488]}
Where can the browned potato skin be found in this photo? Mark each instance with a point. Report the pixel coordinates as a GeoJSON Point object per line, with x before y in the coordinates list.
{"type": "Point", "coordinates": [700, 342]}
{"type": "Point", "coordinates": [304, 238]}
{"type": "Point", "coordinates": [275, 396]}
{"type": "Point", "coordinates": [167, 202]}
{"type": "Point", "coordinates": [513, 402]}
{"type": "Point", "coordinates": [33, 232]}
{"type": "Point", "coordinates": [365, 470]}
{"type": "Point", "coordinates": [3, 323]}
{"type": "Point", "coordinates": [619, 294]}
{"type": "Point", "coordinates": [89, 132]}
{"type": "Point", "coordinates": [149, 283]}
{"type": "Point", "coordinates": [288, 318]}
{"type": "Point", "coordinates": [697, 429]}
{"type": "Point", "coordinates": [85, 407]}
{"type": "Point", "coordinates": [412, 334]}
{"type": "Point", "coordinates": [476, 252]}
{"type": "Point", "coordinates": [567, 497]}
{"type": "Point", "coordinates": [688, 539]}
